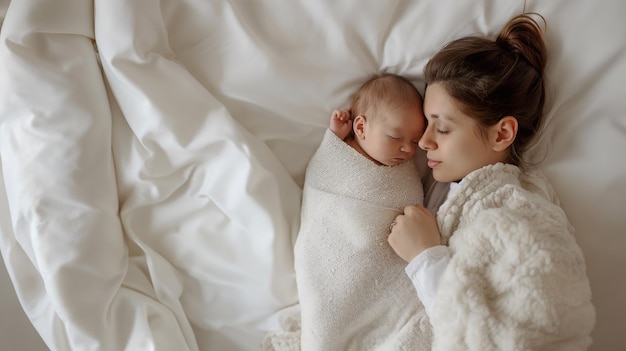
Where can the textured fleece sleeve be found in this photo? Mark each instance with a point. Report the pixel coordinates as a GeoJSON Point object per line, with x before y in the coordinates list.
{"type": "Point", "coordinates": [516, 280]}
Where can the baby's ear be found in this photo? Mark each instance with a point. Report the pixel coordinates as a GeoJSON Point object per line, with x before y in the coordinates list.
{"type": "Point", "coordinates": [358, 126]}
{"type": "Point", "coordinates": [503, 133]}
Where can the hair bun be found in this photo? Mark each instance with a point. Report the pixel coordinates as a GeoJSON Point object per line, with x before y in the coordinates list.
{"type": "Point", "coordinates": [523, 35]}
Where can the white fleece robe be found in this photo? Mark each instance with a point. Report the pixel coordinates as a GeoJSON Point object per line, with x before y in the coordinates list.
{"type": "Point", "coordinates": [516, 279]}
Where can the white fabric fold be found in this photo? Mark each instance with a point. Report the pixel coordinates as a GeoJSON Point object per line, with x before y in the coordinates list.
{"type": "Point", "coordinates": [59, 176]}
{"type": "Point", "coordinates": [178, 265]}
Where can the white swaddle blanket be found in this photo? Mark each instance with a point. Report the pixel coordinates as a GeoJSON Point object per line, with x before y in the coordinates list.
{"type": "Point", "coordinates": [354, 293]}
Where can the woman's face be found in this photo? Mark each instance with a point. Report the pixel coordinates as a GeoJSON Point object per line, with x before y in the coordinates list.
{"type": "Point", "coordinates": [453, 143]}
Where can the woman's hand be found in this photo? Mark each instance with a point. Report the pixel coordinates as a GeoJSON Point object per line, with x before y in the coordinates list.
{"type": "Point", "coordinates": [413, 232]}
{"type": "Point", "coordinates": [341, 123]}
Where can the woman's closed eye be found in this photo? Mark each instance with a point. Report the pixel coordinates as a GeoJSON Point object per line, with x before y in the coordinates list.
{"type": "Point", "coordinates": [443, 131]}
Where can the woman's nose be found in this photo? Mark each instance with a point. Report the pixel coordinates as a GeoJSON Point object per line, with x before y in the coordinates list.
{"type": "Point", "coordinates": [426, 141]}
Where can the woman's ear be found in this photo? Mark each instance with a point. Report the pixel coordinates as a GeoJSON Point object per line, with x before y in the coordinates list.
{"type": "Point", "coordinates": [358, 126]}
{"type": "Point", "coordinates": [503, 133]}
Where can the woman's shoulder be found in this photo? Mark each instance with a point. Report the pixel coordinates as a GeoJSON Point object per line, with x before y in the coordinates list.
{"type": "Point", "coordinates": [492, 186]}
{"type": "Point", "coordinates": [495, 184]}
{"type": "Point", "coordinates": [496, 191]}
{"type": "Point", "coordinates": [530, 199]}
{"type": "Point", "coordinates": [536, 182]}
{"type": "Point", "coordinates": [522, 218]}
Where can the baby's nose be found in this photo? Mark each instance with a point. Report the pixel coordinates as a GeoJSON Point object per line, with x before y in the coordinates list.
{"type": "Point", "coordinates": [407, 147]}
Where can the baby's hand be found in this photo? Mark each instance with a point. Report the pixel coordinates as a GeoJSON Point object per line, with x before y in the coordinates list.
{"type": "Point", "coordinates": [341, 124]}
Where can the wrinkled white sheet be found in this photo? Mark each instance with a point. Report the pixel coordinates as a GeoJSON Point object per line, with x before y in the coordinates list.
{"type": "Point", "coordinates": [153, 152]}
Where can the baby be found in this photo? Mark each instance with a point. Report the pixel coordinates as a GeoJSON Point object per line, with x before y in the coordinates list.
{"type": "Point", "coordinates": [388, 120]}
{"type": "Point", "coordinates": [352, 288]}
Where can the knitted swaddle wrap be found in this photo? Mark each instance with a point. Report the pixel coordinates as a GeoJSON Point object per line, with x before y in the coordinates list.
{"type": "Point", "coordinates": [354, 293]}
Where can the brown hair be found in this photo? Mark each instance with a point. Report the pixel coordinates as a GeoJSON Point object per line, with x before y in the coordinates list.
{"type": "Point", "coordinates": [491, 79]}
{"type": "Point", "coordinates": [384, 91]}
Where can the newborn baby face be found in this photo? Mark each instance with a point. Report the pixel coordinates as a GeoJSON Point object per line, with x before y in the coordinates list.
{"type": "Point", "coordinates": [391, 138]}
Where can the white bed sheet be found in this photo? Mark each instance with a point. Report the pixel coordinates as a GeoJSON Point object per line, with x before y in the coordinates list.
{"type": "Point", "coordinates": [153, 153]}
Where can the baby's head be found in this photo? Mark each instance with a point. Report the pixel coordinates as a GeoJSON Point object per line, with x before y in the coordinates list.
{"type": "Point", "coordinates": [387, 119]}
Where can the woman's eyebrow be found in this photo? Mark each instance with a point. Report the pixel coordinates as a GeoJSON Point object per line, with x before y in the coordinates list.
{"type": "Point", "coordinates": [441, 117]}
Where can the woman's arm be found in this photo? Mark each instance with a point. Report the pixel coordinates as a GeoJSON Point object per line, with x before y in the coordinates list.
{"type": "Point", "coordinates": [415, 238]}
{"type": "Point", "coordinates": [516, 280]}
{"type": "Point", "coordinates": [425, 272]}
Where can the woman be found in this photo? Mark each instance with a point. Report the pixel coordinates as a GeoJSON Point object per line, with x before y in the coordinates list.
{"type": "Point", "coordinates": [499, 267]}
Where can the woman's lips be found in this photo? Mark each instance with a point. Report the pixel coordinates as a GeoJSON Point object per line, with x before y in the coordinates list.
{"type": "Point", "coordinates": [433, 163]}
